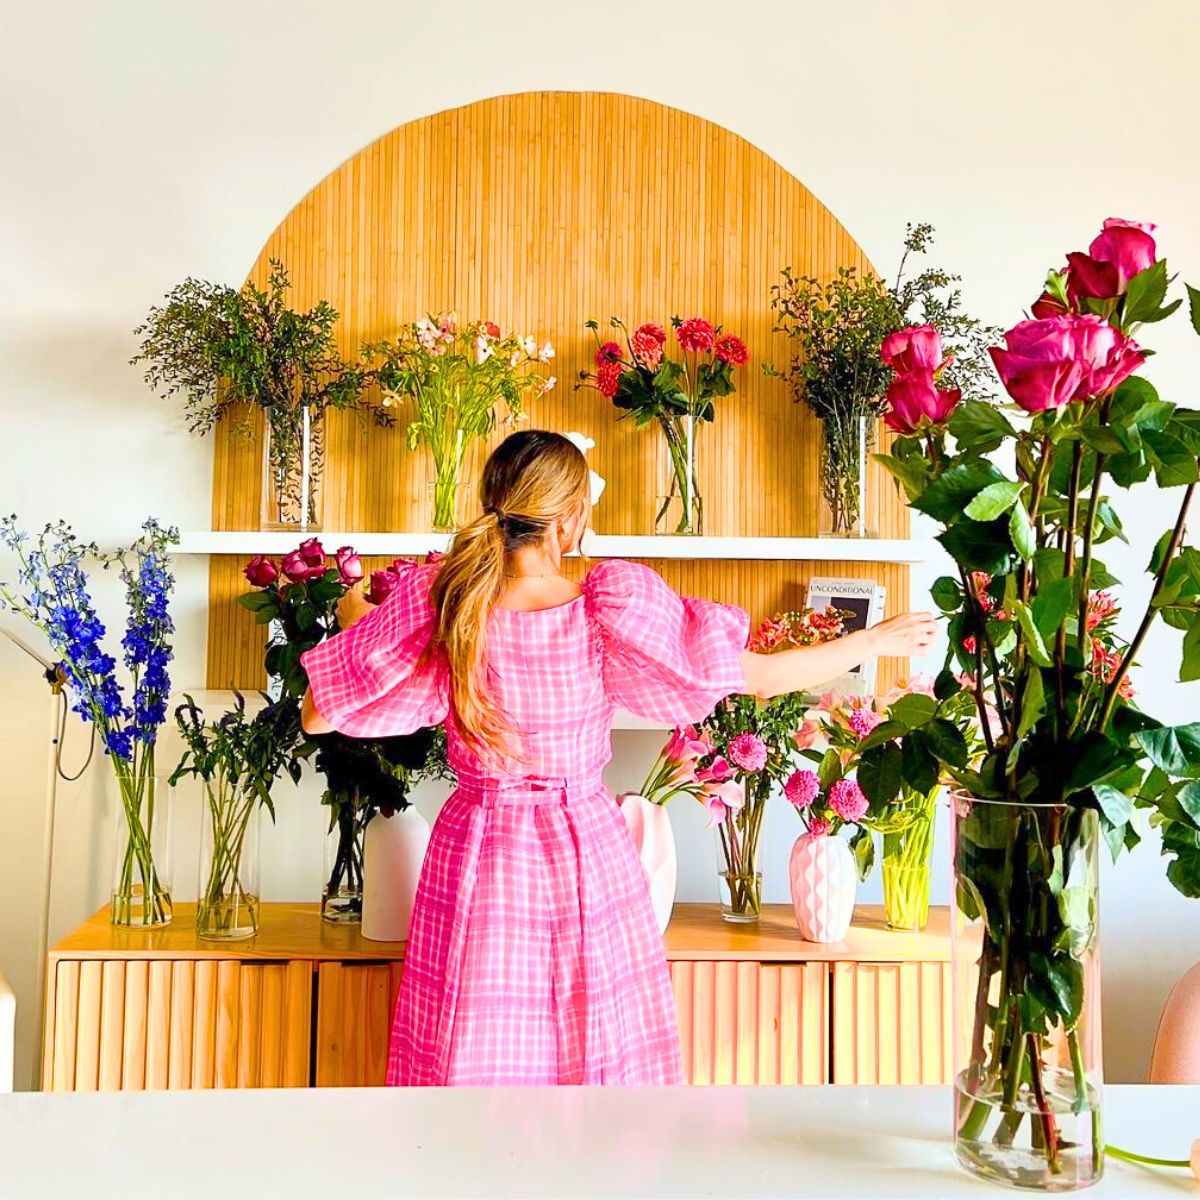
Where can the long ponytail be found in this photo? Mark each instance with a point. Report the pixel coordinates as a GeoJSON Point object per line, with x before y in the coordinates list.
{"type": "Point", "coordinates": [531, 480]}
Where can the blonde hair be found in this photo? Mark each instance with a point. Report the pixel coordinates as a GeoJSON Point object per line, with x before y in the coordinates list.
{"type": "Point", "coordinates": [530, 481]}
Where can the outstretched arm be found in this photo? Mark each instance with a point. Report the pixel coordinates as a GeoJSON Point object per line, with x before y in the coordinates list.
{"type": "Point", "coordinates": [769, 675]}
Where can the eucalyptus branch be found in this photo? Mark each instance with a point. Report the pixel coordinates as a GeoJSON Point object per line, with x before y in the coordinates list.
{"type": "Point", "coordinates": [1127, 658]}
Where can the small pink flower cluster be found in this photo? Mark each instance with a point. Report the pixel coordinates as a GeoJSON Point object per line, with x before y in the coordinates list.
{"type": "Point", "coordinates": [806, 627]}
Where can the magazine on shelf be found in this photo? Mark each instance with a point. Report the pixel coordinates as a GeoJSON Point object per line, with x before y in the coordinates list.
{"type": "Point", "coordinates": [864, 600]}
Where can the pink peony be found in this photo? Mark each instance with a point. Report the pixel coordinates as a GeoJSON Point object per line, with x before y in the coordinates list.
{"type": "Point", "coordinates": [748, 751]}
{"type": "Point", "coordinates": [648, 341]}
{"type": "Point", "coordinates": [1120, 251]}
{"type": "Point", "coordinates": [1040, 365]}
{"type": "Point", "coordinates": [695, 335]}
{"type": "Point", "coordinates": [349, 565]}
{"type": "Point", "coordinates": [917, 348]}
{"type": "Point", "coordinates": [818, 827]}
{"type": "Point", "coordinates": [847, 800]}
{"type": "Point", "coordinates": [913, 399]}
{"type": "Point", "coordinates": [260, 571]}
{"type": "Point", "coordinates": [863, 720]}
{"type": "Point", "coordinates": [732, 350]}
{"type": "Point", "coordinates": [802, 788]}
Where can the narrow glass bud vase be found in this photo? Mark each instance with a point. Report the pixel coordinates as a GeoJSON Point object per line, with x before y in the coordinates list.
{"type": "Point", "coordinates": [293, 463]}
{"type": "Point", "coordinates": [141, 891]}
{"type": "Point", "coordinates": [845, 457]}
{"type": "Point", "coordinates": [228, 892]}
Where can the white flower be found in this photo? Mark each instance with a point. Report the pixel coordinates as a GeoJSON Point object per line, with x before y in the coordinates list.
{"type": "Point", "coordinates": [546, 353]}
{"type": "Point", "coordinates": [530, 345]}
{"type": "Point", "coordinates": [482, 350]}
{"type": "Point", "coordinates": [516, 358]}
{"type": "Point", "coordinates": [548, 386]}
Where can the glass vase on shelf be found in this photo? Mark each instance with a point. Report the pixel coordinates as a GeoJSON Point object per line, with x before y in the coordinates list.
{"type": "Point", "coordinates": [737, 838]}
{"type": "Point", "coordinates": [679, 508]}
{"type": "Point", "coordinates": [141, 890]}
{"type": "Point", "coordinates": [906, 862]}
{"type": "Point", "coordinates": [293, 463]}
{"type": "Point", "coordinates": [845, 457]}
{"type": "Point", "coordinates": [228, 891]}
{"type": "Point", "coordinates": [1026, 993]}
{"type": "Point", "coordinates": [447, 491]}
{"type": "Point", "coordinates": [341, 898]}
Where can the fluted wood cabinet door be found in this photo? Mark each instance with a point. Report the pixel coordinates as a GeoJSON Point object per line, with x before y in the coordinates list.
{"type": "Point", "coordinates": [355, 1002]}
{"type": "Point", "coordinates": [891, 1022]}
{"type": "Point", "coordinates": [136, 1024]}
{"type": "Point", "coordinates": [751, 1022]}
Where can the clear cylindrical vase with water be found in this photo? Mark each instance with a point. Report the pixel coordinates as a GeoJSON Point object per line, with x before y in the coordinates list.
{"type": "Point", "coordinates": [1026, 994]}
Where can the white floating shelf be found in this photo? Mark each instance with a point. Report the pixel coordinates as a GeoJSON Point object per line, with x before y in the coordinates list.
{"type": "Point", "coordinates": [766, 549]}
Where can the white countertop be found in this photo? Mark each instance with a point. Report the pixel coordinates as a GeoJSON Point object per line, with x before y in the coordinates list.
{"type": "Point", "coordinates": [658, 1142]}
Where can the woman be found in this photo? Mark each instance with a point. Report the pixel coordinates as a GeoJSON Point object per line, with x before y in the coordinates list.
{"type": "Point", "coordinates": [533, 956]}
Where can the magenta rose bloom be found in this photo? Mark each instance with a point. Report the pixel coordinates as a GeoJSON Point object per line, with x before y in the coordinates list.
{"type": "Point", "coordinates": [1040, 366]}
{"type": "Point", "coordinates": [1120, 251]}
{"type": "Point", "coordinates": [917, 348]}
{"type": "Point", "coordinates": [381, 585]}
{"type": "Point", "coordinates": [914, 398]}
{"type": "Point", "coordinates": [847, 800]}
{"type": "Point", "coordinates": [260, 571]}
{"type": "Point", "coordinates": [695, 335]}
{"type": "Point", "coordinates": [1047, 305]}
{"type": "Point", "coordinates": [748, 751]}
{"type": "Point", "coordinates": [349, 565]}
{"type": "Point", "coordinates": [295, 568]}
{"type": "Point", "coordinates": [1108, 356]}
{"type": "Point", "coordinates": [313, 553]}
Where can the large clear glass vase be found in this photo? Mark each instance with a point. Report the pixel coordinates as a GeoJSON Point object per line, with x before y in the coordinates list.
{"type": "Point", "coordinates": [737, 845]}
{"type": "Point", "coordinates": [845, 457]}
{"type": "Point", "coordinates": [228, 891]}
{"type": "Point", "coordinates": [141, 889]}
{"type": "Point", "coordinates": [679, 508]}
{"type": "Point", "coordinates": [1028, 1075]}
{"type": "Point", "coordinates": [293, 464]}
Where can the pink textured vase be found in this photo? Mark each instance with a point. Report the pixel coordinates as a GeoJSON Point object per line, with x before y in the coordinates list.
{"type": "Point", "coordinates": [824, 883]}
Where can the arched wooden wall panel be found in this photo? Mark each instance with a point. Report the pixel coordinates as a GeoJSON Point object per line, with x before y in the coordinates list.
{"type": "Point", "coordinates": [539, 211]}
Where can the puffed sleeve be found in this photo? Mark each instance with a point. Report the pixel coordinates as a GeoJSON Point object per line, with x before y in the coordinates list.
{"type": "Point", "coordinates": [372, 680]}
{"type": "Point", "coordinates": [666, 657]}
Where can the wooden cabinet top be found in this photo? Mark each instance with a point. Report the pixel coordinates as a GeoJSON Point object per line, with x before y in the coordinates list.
{"type": "Point", "coordinates": [296, 931]}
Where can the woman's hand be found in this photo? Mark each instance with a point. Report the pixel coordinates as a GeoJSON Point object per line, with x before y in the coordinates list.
{"type": "Point", "coordinates": [904, 636]}
{"type": "Point", "coordinates": [352, 607]}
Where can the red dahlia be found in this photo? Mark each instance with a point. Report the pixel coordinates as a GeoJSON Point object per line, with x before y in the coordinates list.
{"type": "Point", "coordinates": [608, 378]}
{"type": "Point", "coordinates": [732, 349]}
{"type": "Point", "coordinates": [610, 352]}
{"type": "Point", "coordinates": [695, 335]}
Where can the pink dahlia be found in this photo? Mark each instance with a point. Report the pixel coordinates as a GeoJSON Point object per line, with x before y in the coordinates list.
{"type": "Point", "coordinates": [802, 788]}
{"type": "Point", "coordinates": [818, 827]}
{"type": "Point", "coordinates": [847, 800]}
{"type": "Point", "coordinates": [648, 341]}
{"type": "Point", "coordinates": [695, 335]}
{"type": "Point", "coordinates": [748, 751]}
{"type": "Point", "coordinates": [863, 720]}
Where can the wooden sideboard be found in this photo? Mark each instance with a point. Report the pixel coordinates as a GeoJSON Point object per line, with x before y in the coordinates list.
{"type": "Point", "coordinates": [307, 1003]}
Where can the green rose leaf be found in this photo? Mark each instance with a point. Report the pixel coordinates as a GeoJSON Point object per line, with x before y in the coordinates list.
{"type": "Point", "coordinates": [1020, 529]}
{"type": "Point", "coordinates": [913, 710]}
{"type": "Point", "coordinates": [1115, 804]}
{"type": "Point", "coordinates": [1175, 749]}
{"type": "Point", "coordinates": [1033, 638]}
{"type": "Point", "coordinates": [947, 594]}
{"type": "Point", "coordinates": [880, 773]}
{"type": "Point", "coordinates": [946, 497]}
{"type": "Point", "coordinates": [995, 500]}
{"type": "Point", "coordinates": [979, 426]}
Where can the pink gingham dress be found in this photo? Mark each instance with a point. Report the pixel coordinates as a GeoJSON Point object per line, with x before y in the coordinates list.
{"type": "Point", "coordinates": [533, 955]}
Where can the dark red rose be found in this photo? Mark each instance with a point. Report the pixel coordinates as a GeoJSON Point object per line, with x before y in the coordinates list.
{"type": "Point", "coordinates": [260, 571]}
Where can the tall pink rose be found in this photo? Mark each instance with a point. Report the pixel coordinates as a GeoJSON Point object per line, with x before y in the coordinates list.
{"type": "Point", "coordinates": [1108, 356]}
{"type": "Point", "coordinates": [260, 571]}
{"type": "Point", "coordinates": [1120, 251]}
{"type": "Point", "coordinates": [917, 348]}
{"type": "Point", "coordinates": [299, 571]}
{"type": "Point", "coordinates": [1039, 365]}
{"type": "Point", "coordinates": [914, 398]}
{"type": "Point", "coordinates": [349, 565]}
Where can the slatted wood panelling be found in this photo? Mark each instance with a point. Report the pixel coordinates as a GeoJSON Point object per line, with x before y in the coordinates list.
{"type": "Point", "coordinates": [891, 1022]}
{"type": "Point", "coordinates": [133, 1025]}
{"type": "Point", "coordinates": [355, 1003]}
{"type": "Point", "coordinates": [539, 211]}
{"type": "Point", "coordinates": [752, 1023]}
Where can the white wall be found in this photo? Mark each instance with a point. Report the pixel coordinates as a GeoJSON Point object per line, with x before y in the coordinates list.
{"type": "Point", "coordinates": [145, 140]}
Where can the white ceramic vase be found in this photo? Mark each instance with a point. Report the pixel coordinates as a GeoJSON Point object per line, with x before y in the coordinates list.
{"type": "Point", "coordinates": [650, 826]}
{"type": "Point", "coordinates": [393, 852]}
{"type": "Point", "coordinates": [824, 882]}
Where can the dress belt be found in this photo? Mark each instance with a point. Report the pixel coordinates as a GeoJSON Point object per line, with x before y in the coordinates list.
{"type": "Point", "coordinates": [529, 789]}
